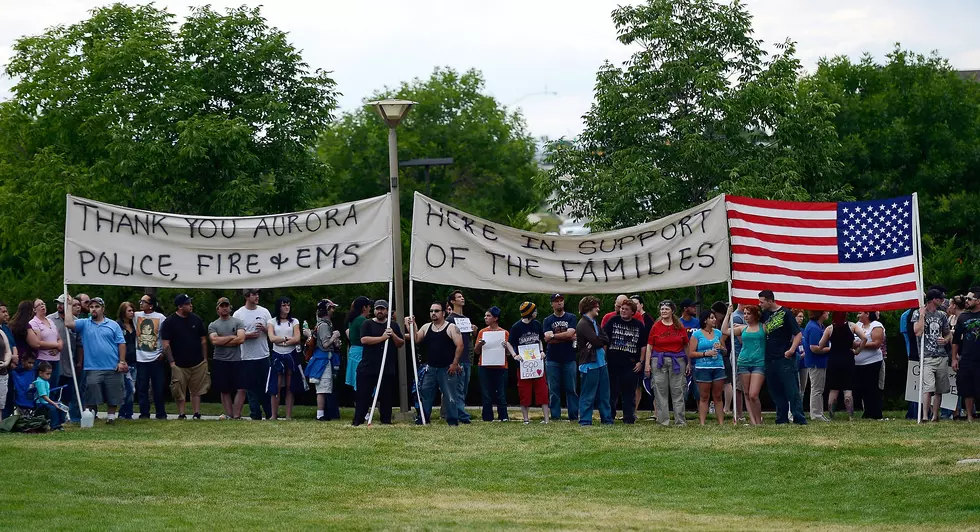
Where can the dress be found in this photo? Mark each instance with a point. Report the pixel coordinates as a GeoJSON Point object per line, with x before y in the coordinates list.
{"type": "Point", "coordinates": [840, 359]}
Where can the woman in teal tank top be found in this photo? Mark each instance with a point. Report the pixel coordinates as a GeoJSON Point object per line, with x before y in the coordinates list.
{"type": "Point", "coordinates": [751, 359]}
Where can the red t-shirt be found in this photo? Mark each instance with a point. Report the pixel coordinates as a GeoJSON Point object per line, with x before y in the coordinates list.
{"type": "Point", "coordinates": [667, 338]}
{"type": "Point", "coordinates": [606, 318]}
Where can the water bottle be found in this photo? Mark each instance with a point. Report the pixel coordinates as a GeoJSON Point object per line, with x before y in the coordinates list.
{"type": "Point", "coordinates": [88, 419]}
{"type": "Point", "coordinates": [306, 325]}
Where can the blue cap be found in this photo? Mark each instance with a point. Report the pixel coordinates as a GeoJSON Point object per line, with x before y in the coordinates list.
{"type": "Point", "coordinates": [494, 311]}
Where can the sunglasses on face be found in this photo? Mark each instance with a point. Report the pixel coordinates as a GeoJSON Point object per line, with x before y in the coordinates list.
{"type": "Point", "coordinates": [435, 310]}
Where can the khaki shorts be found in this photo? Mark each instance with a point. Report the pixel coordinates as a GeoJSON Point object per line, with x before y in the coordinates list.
{"type": "Point", "coordinates": [935, 370]}
{"type": "Point", "coordinates": [197, 380]}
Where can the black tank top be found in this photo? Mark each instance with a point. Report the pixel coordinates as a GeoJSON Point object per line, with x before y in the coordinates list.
{"type": "Point", "coordinates": [441, 348]}
{"type": "Point", "coordinates": [841, 340]}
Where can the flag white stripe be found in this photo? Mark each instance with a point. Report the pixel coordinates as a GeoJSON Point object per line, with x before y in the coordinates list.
{"type": "Point", "coordinates": [780, 230]}
{"type": "Point", "coordinates": [869, 302]}
{"type": "Point", "coordinates": [910, 277]}
{"type": "Point", "coordinates": [785, 248]}
{"type": "Point", "coordinates": [822, 267]}
{"type": "Point", "coordinates": [830, 214]}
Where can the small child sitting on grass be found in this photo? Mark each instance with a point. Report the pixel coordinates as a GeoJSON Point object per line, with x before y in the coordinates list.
{"type": "Point", "coordinates": [47, 407]}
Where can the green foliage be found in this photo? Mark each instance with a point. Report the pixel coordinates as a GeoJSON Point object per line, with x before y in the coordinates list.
{"type": "Point", "coordinates": [216, 116]}
{"type": "Point", "coordinates": [910, 125]}
{"type": "Point", "coordinates": [493, 171]}
{"type": "Point", "coordinates": [697, 110]}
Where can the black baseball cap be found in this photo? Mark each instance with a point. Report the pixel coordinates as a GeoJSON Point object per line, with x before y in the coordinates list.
{"type": "Point", "coordinates": [555, 297]}
{"type": "Point", "coordinates": [934, 293]}
{"type": "Point", "coordinates": [182, 299]}
{"type": "Point", "coordinates": [638, 298]}
{"type": "Point", "coordinates": [687, 302]}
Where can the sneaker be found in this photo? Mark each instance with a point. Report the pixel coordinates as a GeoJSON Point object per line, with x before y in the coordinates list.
{"type": "Point", "coordinates": [711, 408]}
{"type": "Point", "coordinates": [323, 418]}
{"type": "Point", "coordinates": [527, 422]}
{"type": "Point", "coordinates": [197, 415]}
{"type": "Point", "coordinates": [223, 417]}
{"type": "Point", "coordinates": [182, 416]}
{"type": "Point", "coordinates": [821, 418]}
{"type": "Point", "coordinates": [545, 422]}
{"type": "Point", "coordinates": [110, 420]}
{"type": "Point", "coordinates": [147, 416]}
{"type": "Point", "coordinates": [505, 419]}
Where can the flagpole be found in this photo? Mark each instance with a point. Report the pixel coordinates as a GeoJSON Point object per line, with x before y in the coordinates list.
{"type": "Point", "coordinates": [415, 367]}
{"type": "Point", "coordinates": [71, 357]}
{"type": "Point", "coordinates": [918, 264]}
{"type": "Point", "coordinates": [731, 329]}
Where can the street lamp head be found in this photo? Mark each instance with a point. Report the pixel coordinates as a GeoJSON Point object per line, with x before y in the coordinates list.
{"type": "Point", "coordinates": [392, 111]}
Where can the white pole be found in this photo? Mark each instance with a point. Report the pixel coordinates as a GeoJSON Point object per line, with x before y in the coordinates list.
{"type": "Point", "coordinates": [918, 265]}
{"type": "Point", "coordinates": [71, 357]}
{"type": "Point", "coordinates": [384, 358]}
{"type": "Point", "coordinates": [415, 367]}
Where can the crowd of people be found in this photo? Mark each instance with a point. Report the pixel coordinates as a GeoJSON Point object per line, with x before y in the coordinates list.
{"type": "Point", "coordinates": [722, 357]}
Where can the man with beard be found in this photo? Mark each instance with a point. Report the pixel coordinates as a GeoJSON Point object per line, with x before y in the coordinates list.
{"type": "Point", "coordinates": [374, 334]}
{"type": "Point", "coordinates": [560, 366]}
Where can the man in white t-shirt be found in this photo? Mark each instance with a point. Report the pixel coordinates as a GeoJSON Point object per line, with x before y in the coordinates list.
{"type": "Point", "coordinates": [255, 353]}
{"type": "Point", "coordinates": [150, 374]}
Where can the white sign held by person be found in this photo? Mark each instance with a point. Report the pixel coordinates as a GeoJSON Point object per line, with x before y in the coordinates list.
{"type": "Point", "coordinates": [342, 244]}
{"type": "Point", "coordinates": [912, 387]}
{"type": "Point", "coordinates": [454, 248]}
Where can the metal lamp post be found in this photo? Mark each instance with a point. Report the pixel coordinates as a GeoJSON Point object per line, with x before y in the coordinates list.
{"type": "Point", "coordinates": [392, 112]}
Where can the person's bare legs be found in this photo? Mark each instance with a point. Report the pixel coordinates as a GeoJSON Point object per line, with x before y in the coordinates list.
{"type": "Point", "coordinates": [275, 398]}
{"type": "Point", "coordinates": [849, 404]}
{"type": "Point", "coordinates": [729, 394]}
{"type": "Point", "coordinates": [832, 401]}
{"type": "Point", "coordinates": [290, 399]}
{"type": "Point", "coordinates": [181, 405]}
{"type": "Point", "coordinates": [717, 392]}
{"type": "Point", "coordinates": [547, 412]}
{"type": "Point", "coordinates": [526, 412]}
{"type": "Point", "coordinates": [704, 396]}
{"type": "Point", "coordinates": [196, 403]}
{"type": "Point", "coordinates": [937, 402]}
{"type": "Point", "coordinates": [756, 380]}
{"type": "Point", "coordinates": [226, 404]}
{"type": "Point", "coordinates": [968, 403]}
{"type": "Point", "coordinates": [239, 402]}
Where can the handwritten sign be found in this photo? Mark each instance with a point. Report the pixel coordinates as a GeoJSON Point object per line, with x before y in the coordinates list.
{"type": "Point", "coordinates": [529, 351]}
{"type": "Point", "coordinates": [455, 248]}
{"type": "Point", "coordinates": [112, 245]}
{"type": "Point", "coordinates": [494, 352]}
{"type": "Point", "coordinates": [532, 369]}
{"type": "Point", "coordinates": [463, 324]}
{"type": "Point", "coordinates": [912, 387]}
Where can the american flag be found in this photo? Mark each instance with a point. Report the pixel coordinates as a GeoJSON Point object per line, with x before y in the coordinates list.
{"type": "Point", "coordinates": [825, 256]}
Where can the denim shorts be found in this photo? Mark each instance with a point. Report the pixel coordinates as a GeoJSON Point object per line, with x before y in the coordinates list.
{"type": "Point", "coordinates": [709, 374]}
{"type": "Point", "coordinates": [751, 370]}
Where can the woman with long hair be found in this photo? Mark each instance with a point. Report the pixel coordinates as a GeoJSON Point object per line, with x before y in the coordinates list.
{"type": "Point", "coordinates": [360, 309]}
{"type": "Point", "coordinates": [751, 363]}
{"type": "Point", "coordinates": [840, 336]}
{"type": "Point", "coordinates": [125, 321]}
{"type": "Point", "coordinates": [668, 342]}
{"type": "Point", "coordinates": [324, 365]}
{"type": "Point", "coordinates": [284, 333]}
{"type": "Point", "coordinates": [868, 362]}
{"type": "Point", "coordinates": [706, 350]}
{"type": "Point", "coordinates": [801, 320]}
{"type": "Point", "coordinates": [20, 325]}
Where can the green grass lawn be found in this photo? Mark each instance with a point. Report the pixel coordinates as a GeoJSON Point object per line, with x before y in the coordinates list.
{"type": "Point", "coordinates": [154, 475]}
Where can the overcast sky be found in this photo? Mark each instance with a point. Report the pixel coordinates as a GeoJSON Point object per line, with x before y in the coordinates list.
{"type": "Point", "coordinates": [539, 55]}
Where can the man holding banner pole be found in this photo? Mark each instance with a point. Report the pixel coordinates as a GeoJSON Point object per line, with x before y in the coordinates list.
{"type": "Point", "coordinates": [444, 347]}
{"type": "Point", "coordinates": [932, 327]}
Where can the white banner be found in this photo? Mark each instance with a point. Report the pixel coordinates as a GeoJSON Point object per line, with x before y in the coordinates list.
{"type": "Point", "coordinates": [342, 244]}
{"type": "Point", "coordinates": [912, 387]}
{"type": "Point", "coordinates": [451, 247]}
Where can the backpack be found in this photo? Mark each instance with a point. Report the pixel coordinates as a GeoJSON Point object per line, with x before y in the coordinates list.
{"type": "Point", "coordinates": [26, 424]}
{"type": "Point", "coordinates": [310, 346]}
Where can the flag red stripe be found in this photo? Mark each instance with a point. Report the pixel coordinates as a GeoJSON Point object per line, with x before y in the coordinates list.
{"type": "Point", "coordinates": [823, 276]}
{"type": "Point", "coordinates": [783, 222]}
{"type": "Point", "coordinates": [783, 205]}
{"type": "Point", "coordinates": [785, 239]}
{"type": "Point", "coordinates": [806, 305]}
{"type": "Point", "coordinates": [789, 257]}
{"type": "Point", "coordinates": [786, 288]}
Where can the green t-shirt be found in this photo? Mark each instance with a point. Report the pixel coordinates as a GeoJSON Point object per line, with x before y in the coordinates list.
{"type": "Point", "coordinates": [354, 330]}
{"type": "Point", "coordinates": [753, 351]}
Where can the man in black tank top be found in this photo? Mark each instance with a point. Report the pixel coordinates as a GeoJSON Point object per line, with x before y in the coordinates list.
{"type": "Point", "coordinates": [444, 347]}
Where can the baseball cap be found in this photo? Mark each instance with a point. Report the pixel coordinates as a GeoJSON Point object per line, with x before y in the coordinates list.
{"type": "Point", "coordinates": [98, 301]}
{"type": "Point", "coordinates": [637, 297]}
{"type": "Point", "coordinates": [527, 308]}
{"type": "Point", "coordinates": [60, 299]}
{"type": "Point", "coordinates": [494, 311]}
{"type": "Point", "coordinates": [934, 293]}
{"type": "Point", "coordinates": [248, 291]}
{"type": "Point", "coordinates": [687, 302]}
{"type": "Point", "coordinates": [555, 297]}
{"type": "Point", "coordinates": [381, 303]}
{"type": "Point", "coordinates": [326, 304]}
{"type": "Point", "coordinates": [182, 299]}
{"type": "Point", "coordinates": [223, 301]}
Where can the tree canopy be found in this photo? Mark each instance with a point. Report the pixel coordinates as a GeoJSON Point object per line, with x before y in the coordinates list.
{"type": "Point", "coordinates": [698, 109]}
{"type": "Point", "coordinates": [216, 115]}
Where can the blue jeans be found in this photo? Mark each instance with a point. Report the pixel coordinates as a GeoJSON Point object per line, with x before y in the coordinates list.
{"type": "Point", "coordinates": [562, 375]}
{"type": "Point", "coordinates": [150, 377]}
{"type": "Point", "coordinates": [493, 388]}
{"type": "Point", "coordinates": [68, 398]}
{"type": "Point", "coordinates": [595, 392]}
{"type": "Point", "coordinates": [462, 389]}
{"type": "Point", "coordinates": [439, 378]}
{"type": "Point", "coordinates": [53, 414]}
{"type": "Point", "coordinates": [783, 381]}
{"type": "Point", "coordinates": [126, 410]}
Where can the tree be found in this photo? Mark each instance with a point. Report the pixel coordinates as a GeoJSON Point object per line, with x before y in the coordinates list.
{"type": "Point", "coordinates": [913, 125]}
{"type": "Point", "coordinates": [216, 116]}
{"type": "Point", "coordinates": [699, 109]}
{"type": "Point", "coordinates": [493, 171]}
